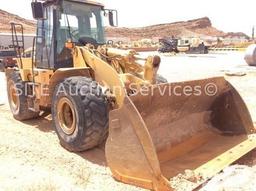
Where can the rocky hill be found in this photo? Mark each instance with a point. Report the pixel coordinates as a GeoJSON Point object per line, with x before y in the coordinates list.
{"type": "Point", "coordinates": [197, 27]}
{"type": "Point", "coordinates": [6, 18]}
{"type": "Point", "coordinates": [201, 27]}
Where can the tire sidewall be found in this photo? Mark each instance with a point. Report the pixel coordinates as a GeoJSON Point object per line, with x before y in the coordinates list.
{"type": "Point", "coordinates": [90, 105]}
{"type": "Point", "coordinates": [13, 80]}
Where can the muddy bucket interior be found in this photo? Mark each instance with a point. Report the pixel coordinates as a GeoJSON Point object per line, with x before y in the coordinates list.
{"type": "Point", "coordinates": [201, 126]}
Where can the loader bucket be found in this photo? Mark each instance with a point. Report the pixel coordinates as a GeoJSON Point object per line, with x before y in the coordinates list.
{"type": "Point", "coordinates": [154, 137]}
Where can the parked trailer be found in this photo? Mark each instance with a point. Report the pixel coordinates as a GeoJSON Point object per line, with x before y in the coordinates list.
{"type": "Point", "coordinates": [6, 41]}
{"type": "Point", "coordinates": [7, 52]}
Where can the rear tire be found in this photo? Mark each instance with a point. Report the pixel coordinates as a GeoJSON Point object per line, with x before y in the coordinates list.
{"type": "Point", "coordinates": [80, 114]}
{"type": "Point", "coordinates": [17, 98]}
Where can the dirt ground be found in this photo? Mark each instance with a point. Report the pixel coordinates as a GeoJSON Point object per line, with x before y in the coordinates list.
{"type": "Point", "coordinates": [32, 159]}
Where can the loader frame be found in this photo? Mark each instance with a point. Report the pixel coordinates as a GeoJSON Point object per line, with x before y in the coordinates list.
{"type": "Point", "coordinates": [152, 137]}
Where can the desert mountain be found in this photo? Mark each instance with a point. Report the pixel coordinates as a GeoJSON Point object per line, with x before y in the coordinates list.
{"type": "Point", "coordinates": [198, 27]}
{"type": "Point", "coordinates": [201, 27]}
{"type": "Point", "coordinates": [195, 27]}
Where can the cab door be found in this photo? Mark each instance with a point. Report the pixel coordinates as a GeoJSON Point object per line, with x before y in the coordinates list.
{"type": "Point", "coordinates": [44, 57]}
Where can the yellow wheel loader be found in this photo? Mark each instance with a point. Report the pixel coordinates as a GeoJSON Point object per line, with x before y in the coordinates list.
{"type": "Point", "coordinates": [153, 130]}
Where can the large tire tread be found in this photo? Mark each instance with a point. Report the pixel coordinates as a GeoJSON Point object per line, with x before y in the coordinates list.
{"type": "Point", "coordinates": [23, 112]}
{"type": "Point", "coordinates": [92, 106]}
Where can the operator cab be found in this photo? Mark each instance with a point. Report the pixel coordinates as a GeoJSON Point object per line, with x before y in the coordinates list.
{"type": "Point", "coordinates": [76, 21]}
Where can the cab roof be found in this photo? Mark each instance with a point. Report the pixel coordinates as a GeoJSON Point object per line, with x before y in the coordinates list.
{"type": "Point", "coordinates": [91, 2]}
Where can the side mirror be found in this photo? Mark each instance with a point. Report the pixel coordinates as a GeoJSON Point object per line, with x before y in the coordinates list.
{"type": "Point", "coordinates": [38, 10]}
{"type": "Point", "coordinates": [112, 17]}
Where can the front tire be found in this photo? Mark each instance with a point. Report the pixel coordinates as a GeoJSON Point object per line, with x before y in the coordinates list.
{"type": "Point", "coordinates": [80, 114]}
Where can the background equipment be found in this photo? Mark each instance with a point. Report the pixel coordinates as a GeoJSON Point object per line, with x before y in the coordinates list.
{"type": "Point", "coordinates": [186, 45]}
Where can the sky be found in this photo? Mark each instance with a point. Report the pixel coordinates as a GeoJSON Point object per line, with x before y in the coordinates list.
{"type": "Point", "coordinates": [226, 15]}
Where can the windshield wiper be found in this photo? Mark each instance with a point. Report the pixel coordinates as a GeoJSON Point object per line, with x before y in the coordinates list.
{"type": "Point", "coordinates": [69, 28]}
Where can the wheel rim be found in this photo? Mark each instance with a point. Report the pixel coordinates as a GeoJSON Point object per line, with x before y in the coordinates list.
{"type": "Point", "coordinates": [66, 116]}
{"type": "Point", "coordinates": [14, 98]}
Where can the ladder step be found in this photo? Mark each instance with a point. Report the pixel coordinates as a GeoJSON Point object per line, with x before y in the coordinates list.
{"type": "Point", "coordinates": [18, 40]}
